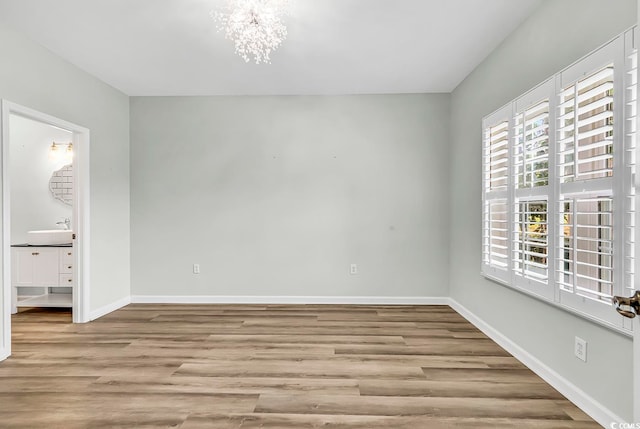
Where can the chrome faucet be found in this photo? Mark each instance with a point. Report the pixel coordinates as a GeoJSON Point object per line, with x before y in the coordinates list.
{"type": "Point", "coordinates": [66, 223]}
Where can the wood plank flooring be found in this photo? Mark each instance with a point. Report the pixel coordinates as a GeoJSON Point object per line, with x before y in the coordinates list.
{"type": "Point", "coordinates": [270, 366]}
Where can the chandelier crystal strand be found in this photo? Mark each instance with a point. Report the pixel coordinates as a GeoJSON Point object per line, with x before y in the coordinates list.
{"type": "Point", "coordinates": [254, 26]}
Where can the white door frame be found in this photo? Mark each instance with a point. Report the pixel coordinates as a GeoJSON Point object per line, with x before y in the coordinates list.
{"type": "Point", "coordinates": [80, 223]}
{"type": "Point", "coordinates": [636, 321]}
{"type": "Point", "coordinates": [636, 369]}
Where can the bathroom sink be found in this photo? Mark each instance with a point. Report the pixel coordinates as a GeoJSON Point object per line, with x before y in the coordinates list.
{"type": "Point", "coordinates": [49, 237]}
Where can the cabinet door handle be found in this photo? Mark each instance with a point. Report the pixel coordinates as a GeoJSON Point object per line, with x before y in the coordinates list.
{"type": "Point", "coordinates": [69, 253]}
{"type": "Point", "coordinates": [35, 253]}
{"type": "Point", "coordinates": [69, 267]}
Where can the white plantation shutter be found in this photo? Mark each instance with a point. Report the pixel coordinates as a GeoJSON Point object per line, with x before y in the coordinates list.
{"type": "Point", "coordinates": [531, 241]}
{"type": "Point", "coordinates": [495, 187]}
{"type": "Point", "coordinates": [531, 146]}
{"type": "Point", "coordinates": [497, 154]}
{"type": "Point", "coordinates": [590, 209]}
{"type": "Point", "coordinates": [530, 169]}
{"type": "Point", "coordinates": [586, 128]}
{"type": "Point", "coordinates": [496, 234]}
{"type": "Point", "coordinates": [630, 169]}
{"type": "Point", "coordinates": [586, 267]}
{"type": "Point", "coordinates": [559, 208]}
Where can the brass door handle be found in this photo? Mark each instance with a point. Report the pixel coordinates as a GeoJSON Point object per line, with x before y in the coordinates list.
{"type": "Point", "coordinates": [632, 301]}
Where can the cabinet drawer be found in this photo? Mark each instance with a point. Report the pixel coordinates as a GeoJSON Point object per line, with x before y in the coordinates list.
{"type": "Point", "coordinates": [66, 268]}
{"type": "Point", "coordinates": [66, 280]}
{"type": "Point", "coordinates": [66, 260]}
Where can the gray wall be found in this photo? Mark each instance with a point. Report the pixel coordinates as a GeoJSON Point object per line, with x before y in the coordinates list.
{"type": "Point", "coordinates": [32, 204]}
{"type": "Point", "coordinates": [544, 44]}
{"type": "Point", "coordinates": [34, 77]}
{"type": "Point", "coordinates": [276, 196]}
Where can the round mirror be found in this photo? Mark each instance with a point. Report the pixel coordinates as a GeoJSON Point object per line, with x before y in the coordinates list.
{"type": "Point", "coordinates": [61, 184]}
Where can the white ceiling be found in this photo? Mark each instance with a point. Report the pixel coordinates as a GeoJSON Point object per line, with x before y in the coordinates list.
{"type": "Point", "coordinates": [172, 47]}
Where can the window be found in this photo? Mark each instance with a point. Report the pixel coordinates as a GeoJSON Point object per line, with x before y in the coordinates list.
{"type": "Point", "coordinates": [530, 250]}
{"type": "Point", "coordinates": [496, 183]}
{"type": "Point", "coordinates": [496, 234]}
{"type": "Point", "coordinates": [530, 148]}
{"type": "Point", "coordinates": [558, 197]}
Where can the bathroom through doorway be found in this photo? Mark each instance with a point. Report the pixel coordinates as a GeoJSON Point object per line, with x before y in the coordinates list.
{"type": "Point", "coordinates": [45, 215]}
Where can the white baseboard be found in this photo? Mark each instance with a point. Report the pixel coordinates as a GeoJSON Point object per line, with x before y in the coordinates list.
{"type": "Point", "coordinates": [586, 403]}
{"type": "Point", "coordinates": [109, 308]}
{"type": "Point", "coordinates": [227, 299]}
{"type": "Point", "coordinates": [4, 354]}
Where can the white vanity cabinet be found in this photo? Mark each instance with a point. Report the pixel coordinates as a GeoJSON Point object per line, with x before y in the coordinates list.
{"type": "Point", "coordinates": [46, 272]}
{"type": "Point", "coordinates": [35, 266]}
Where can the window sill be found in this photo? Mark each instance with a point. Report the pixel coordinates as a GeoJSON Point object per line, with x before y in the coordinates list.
{"type": "Point", "coordinates": [604, 323]}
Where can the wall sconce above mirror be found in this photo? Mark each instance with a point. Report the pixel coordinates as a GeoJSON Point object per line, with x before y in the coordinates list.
{"type": "Point", "coordinates": [61, 152]}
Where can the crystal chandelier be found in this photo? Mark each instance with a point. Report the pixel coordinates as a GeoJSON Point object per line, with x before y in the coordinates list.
{"type": "Point", "coordinates": [254, 26]}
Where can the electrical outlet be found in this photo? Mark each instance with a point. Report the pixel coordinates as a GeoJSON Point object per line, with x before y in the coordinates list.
{"type": "Point", "coordinates": [353, 269]}
{"type": "Point", "coordinates": [196, 268]}
{"type": "Point", "coordinates": [580, 349]}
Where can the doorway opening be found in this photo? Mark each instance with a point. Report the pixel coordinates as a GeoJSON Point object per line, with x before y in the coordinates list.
{"type": "Point", "coordinates": [45, 215]}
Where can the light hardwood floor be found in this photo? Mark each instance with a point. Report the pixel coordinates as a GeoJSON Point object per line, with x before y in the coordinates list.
{"type": "Point", "coordinates": [270, 366]}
